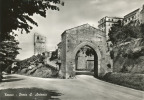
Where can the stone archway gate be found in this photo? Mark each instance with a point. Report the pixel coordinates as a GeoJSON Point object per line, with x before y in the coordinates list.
{"type": "Point", "coordinates": [77, 37]}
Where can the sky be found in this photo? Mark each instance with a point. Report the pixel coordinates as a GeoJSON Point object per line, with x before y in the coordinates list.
{"type": "Point", "coordinates": [73, 13]}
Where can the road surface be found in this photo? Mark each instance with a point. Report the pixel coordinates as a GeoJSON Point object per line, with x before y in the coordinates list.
{"type": "Point", "coordinates": [83, 87]}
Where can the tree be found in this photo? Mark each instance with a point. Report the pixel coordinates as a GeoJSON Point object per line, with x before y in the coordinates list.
{"type": "Point", "coordinates": [142, 29]}
{"type": "Point", "coordinates": [8, 52]}
{"type": "Point", "coordinates": [119, 33]}
{"type": "Point", "coordinates": [54, 55]}
{"type": "Point", "coordinates": [16, 15]}
{"type": "Point", "coordinates": [114, 30]}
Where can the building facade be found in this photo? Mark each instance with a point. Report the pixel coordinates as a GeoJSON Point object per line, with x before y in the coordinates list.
{"type": "Point", "coordinates": [106, 23]}
{"type": "Point", "coordinates": [39, 44]}
{"type": "Point", "coordinates": [136, 16]}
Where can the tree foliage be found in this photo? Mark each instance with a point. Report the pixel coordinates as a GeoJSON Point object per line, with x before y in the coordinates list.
{"type": "Point", "coordinates": [142, 30]}
{"type": "Point", "coordinates": [54, 55]}
{"type": "Point", "coordinates": [16, 14]}
{"type": "Point", "coordinates": [8, 52]}
{"type": "Point", "coordinates": [90, 52]}
{"type": "Point", "coordinates": [119, 33]}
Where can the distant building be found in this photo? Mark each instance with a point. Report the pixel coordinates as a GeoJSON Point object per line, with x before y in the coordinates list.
{"type": "Point", "coordinates": [106, 23]}
{"type": "Point", "coordinates": [39, 44]}
{"type": "Point", "coordinates": [136, 16]}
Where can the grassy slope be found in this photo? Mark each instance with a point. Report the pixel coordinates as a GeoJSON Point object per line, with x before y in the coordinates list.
{"type": "Point", "coordinates": [135, 81]}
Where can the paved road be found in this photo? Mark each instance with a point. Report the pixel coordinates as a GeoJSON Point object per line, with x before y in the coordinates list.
{"type": "Point", "coordinates": [82, 88]}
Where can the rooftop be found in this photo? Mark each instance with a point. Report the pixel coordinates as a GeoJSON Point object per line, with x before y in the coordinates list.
{"type": "Point", "coordinates": [131, 13]}
{"type": "Point", "coordinates": [84, 25]}
{"type": "Point", "coordinates": [111, 17]}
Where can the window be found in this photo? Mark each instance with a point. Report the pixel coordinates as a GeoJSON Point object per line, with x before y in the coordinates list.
{"type": "Point", "coordinates": [38, 38]}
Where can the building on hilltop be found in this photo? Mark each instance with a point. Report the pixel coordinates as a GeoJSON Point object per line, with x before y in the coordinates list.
{"type": "Point", "coordinates": [137, 16]}
{"type": "Point", "coordinates": [106, 23]}
{"type": "Point", "coordinates": [132, 16]}
{"type": "Point", "coordinates": [39, 44]}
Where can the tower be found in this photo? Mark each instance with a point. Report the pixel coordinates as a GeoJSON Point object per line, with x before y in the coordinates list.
{"type": "Point", "coordinates": [39, 44]}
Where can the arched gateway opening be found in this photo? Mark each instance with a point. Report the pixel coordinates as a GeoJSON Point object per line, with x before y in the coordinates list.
{"type": "Point", "coordinates": [86, 61]}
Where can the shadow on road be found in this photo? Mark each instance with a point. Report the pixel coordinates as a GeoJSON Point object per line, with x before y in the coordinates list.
{"type": "Point", "coordinates": [11, 79]}
{"type": "Point", "coordinates": [29, 94]}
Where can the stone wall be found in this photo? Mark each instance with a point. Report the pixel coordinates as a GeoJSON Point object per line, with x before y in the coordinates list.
{"type": "Point", "coordinates": [63, 56]}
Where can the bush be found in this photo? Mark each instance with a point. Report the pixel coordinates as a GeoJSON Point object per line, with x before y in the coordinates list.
{"type": "Point", "coordinates": [135, 81]}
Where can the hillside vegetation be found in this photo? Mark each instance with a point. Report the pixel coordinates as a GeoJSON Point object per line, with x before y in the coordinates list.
{"type": "Point", "coordinates": [135, 81]}
{"type": "Point", "coordinates": [127, 52]}
{"type": "Point", "coordinates": [129, 57]}
{"type": "Point", "coordinates": [35, 66]}
{"type": "Point", "coordinates": [127, 47]}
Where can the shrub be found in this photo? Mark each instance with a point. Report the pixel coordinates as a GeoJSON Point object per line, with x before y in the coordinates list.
{"type": "Point", "coordinates": [135, 81]}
